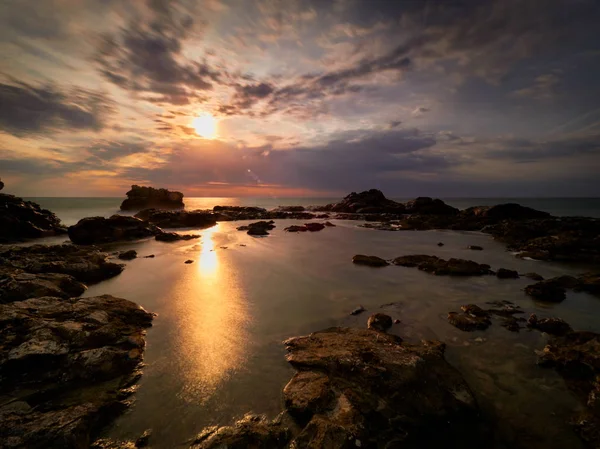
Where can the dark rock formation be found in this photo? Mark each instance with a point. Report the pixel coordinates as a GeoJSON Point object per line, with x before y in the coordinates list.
{"type": "Point", "coordinates": [441, 267]}
{"type": "Point", "coordinates": [367, 202]}
{"type": "Point", "coordinates": [589, 282]}
{"type": "Point", "coordinates": [473, 318]}
{"type": "Point", "coordinates": [358, 310]}
{"type": "Point", "coordinates": [428, 206]}
{"type": "Point", "coordinates": [66, 367]}
{"type": "Point", "coordinates": [258, 228]}
{"type": "Point", "coordinates": [21, 220]}
{"type": "Point", "coordinates": [1, 185]}
{"type": "Point", "coordinates": [361, 388]}
{"type": "Point", "coordinates": [440, 244]}
{"type": "Point", "coordinates": [548, 290]}
{"type": "Point", "coordinates": [289, 209]}
{"type": "Point", "coordinates": [86, 264]}
{"type": "Point", "coordinates": [504, 273]}
{"type": "Point", "coordinates": [95, 230]}
{"type": "Point", "coordinates": [189, 261]}
{"type": "Point", "coordinates": [139, 198]}
{"type": "Point", "coordinates": [178, 219]}
{"type": "Point", "coordinates": [128, 255]}
{"type": "Point", "coordinates": [174, 237]}
{"type": "Point", "coordinates": [475, 247]}
{"type": "Point", "coordinates": [16, 285]}
{"type": "Point", "coordinates": [534, 276]}
{"type": "Point", "coordinates": [379, 322]}
{"type": "Point", "coordinates": [372, 261]}
{"type": "Point", "coordinates": [312, 227]}
{"type": "Point", "coordinates": [553, 326]}
{"type": "Point", "coordinates": [509, 211]}
{"type": "Point", "coordinates": [296, 228]}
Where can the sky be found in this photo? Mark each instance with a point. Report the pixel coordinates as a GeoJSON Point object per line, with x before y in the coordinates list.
{"type": "Point", "coordinates": [448, 98]}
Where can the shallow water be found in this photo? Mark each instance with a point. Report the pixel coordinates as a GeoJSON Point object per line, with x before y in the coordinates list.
{"type": "Point", "coordinates": [215, 353]}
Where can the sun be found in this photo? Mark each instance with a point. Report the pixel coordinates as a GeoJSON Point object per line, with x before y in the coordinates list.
{"type": "Point", "coordinates": [205, 126]}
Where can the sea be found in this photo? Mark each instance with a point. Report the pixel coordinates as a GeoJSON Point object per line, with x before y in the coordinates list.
{"type": "Point", "coordinates": [214, 352]}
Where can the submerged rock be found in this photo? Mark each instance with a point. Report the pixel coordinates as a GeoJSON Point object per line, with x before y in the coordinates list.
{"type": "Point", "coordinates": [258, 228]}
{"type": "Point", "coordinates": [148, 197]}
{"type": "Point", "coordinates": [548, 290]}
{"type": "Point", "coordinates": [174, 237]}
{"type": "Point", "coordinates": [128, 255]}
{"type": "Point", "coordinates": [95, 230]}
{"type": "Point", "coordinates": [178, 219]}
{"type": "Point", "coordinates": [21, 220]}
{"type": "Point", "coordinates": [441, 267]}
{"type": "Point", "coordinates": [372, 261]}
{"type": "Point", "coordinates": [379, 322]}
{"type": "Point", "coordinates": [67, 363]}
{"type": "Point", "coordinates": [553, 326]}
{"type": "Point", "coordinates": [504, 273]}
{"type": "Point", "coordinates": [467, 322]}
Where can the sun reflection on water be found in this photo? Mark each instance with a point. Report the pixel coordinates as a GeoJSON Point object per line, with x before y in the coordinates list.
{"type": "Point", "coordinates": [214, 319]}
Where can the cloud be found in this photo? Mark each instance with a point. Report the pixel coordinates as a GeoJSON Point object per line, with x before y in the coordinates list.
{"type": "Point", "coordinates": [543, 88]}
{"type": "Point", "coordinates": [525, 150]}
{"type": "Point", "coordinates": [420, 111]}
{"type": "Point", "coordinates": [31, 110]}
{"type": "Point", "coordinates": [109, 150]}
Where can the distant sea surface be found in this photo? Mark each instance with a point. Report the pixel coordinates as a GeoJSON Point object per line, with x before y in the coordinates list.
{"type": "Point", "coordinates": [71, 210]}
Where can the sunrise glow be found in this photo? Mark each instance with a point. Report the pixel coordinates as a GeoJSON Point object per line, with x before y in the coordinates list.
{"type": "Point", "coordinates": [205, 126]}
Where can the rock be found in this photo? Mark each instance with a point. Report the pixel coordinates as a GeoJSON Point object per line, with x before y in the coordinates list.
{"type": "Point", "coordinates": [440, 267]}
{"type": "Point", "coordinates": [296, 228]}
{"type": "Point", "coordinates": [475, 310]}
{"type": "Point", "coordinates": [313, 227]}
{"type": "Point", "coordinates": [228, 213]}
{"type": "Point", "coordinates": [174, 237]}
{"type": "Point", "coordinates": [548, 290]}
{"type": "Point", "coordinates": [513, 211]}
{"type": "Point", "coordinates": [289, 209]}
{"type": "Point", "coordinates": [506, 309]}
{"type": "Point", "coordinates": [143, 439]}
{"type": "Point", "coordinates": [358, 310]}
{"type": "Point", "coordinates": [1, 185]}
{"type": "Point", "coordinates": [21, 220]}
{"type": "Point", "coordinates": [397, 321]}
{"type": "Point", "coordinates": [367, 202]}
{"type": "Point", "coordinates": [428, 206]}
{"type": "Point", "coordinates": [95, 230]}
{"type": "Point", "coordinates": [258, 228]}
{"type": "Point", "coordinates": [553, 326]}
{"type": "Point", "coordinates": [467, 322]}
{"type": "Point", "coordinates": [128, 255]}
{"type": "Point", "coordinates": [69, 362]}
{"type": "Point", "coordinates": [149, 256]}
{"type": "Point", "coordinates": [189, 261]}
{"type": "Point", "coordinates": [534, 276]}
{"type": "Point", "coordinates": [440, 244]}
{"type": "Point", "coordinates": [475, 248]}
{"type": "Point", "coordinates": [86, 264]}
{"type": "Point", "coordinates": [178, 219]}
{"type": "Point", "coordinates": [139, 198]}
{"type": "Point", "coordinates": [379, 322]}
{"type": "Point", "coordinates": [16, 285]}
{"type": "Point", "coordinates": [511, 323]}
{"type": "Point", "coordinates": [589, 282]}
{"type": "Point", "coordinates": [372, 261]}
{"type": "Point", "coordinates": [329, 224]}
{"type": "Point", "coordinates": [504, 273]}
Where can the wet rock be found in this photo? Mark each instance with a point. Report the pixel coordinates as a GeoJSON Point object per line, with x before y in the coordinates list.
{"type": "Point", "coordinates": [428, 206]}
{"type": "Point", "coordinates": [178, 219]}
{"type": "Point", "coordinates": [440, 244]}
{"type": "Point", "coordinates": [473, 318]}
{"type": "Point", "coordinates": [296, 228]}
{"type": "Point", "coordinates": [504, 309]}
{"type": "Point", "coordinates": [553, 326]}
{"type": "Point", "coordinates": [534, 276]}
{"type": "Point", "coordinates": [143, 439]}
{"type": "Point", "coordinates": [314, 227]}
{"type": "Point", "coordinates": [475, 310]}
{"type": "Point", "coordinates": [68, 361]}
{"type": "Point", "coordinates": [149, 256]}
{"type": "Point", "coordinates": [358, 310]}
{"type": "Point", "coordinates": [475, 248]}
{"type": "Point", "coordinates": [21, 220]}
{"type": "Point", "coordinates": [128, 255]}
{"type": "Point", "coordinates": [441, 267]}
{"type": "Point", "coordinates": [228, 213]}
{"type": "Point", "coordinates": [589, 282]}
{"type": "Point", "coordinates": [86, 264]}
{"type": "Point", "coordinates": [511, 324]}
{"type": "Point", "coordinates": [369, 201]}
{"type": "Point", "coordinates": [139, 198]}
{"type": "Point", "coordinates": [189, 261]}
{"type": "Point", "coordinates": [397, 321]}
{"type": "Point", "coordinates": [174, 237]}
{"type": "Point", "coordinates": [16, 285]}
{"type": "Point", "coordinates": [548, 290]}
{"type": "Point", "coordinates": [504, 273]}
{"type": "Point", "coordinates": [96, 230]}
{"type": "Point", "coordinates": [379, 322]}
{"type": "Point", "coordinates": [258, 228]}
{"type": "Point", "coordinates": [372, 261]}
{"type": "Point", "coordinates": [329, 224]}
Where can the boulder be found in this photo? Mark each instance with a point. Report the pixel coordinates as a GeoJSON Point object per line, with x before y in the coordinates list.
{"type": "Point", "coordinates": [424, 205]}
{"type": "Point", "coordinates": [139, 198]}
{"type": "Point", "coordinates": [296, 228]}
{"type": "Point", "coordinates": [95, 230]}
{"type": "Point", "coordinates": [314, 227]}
{"type": "Point", "coordinates": [473, 318]}
{"type": "Point", "coordinates": [475, 247]}
{"type": "Point", "coordinates": [178, 219]}
{"type": "Point", "coordinates": [86, 264]}
{"type": "Point", "coordinates": [379, 322]}
{"type": "Point", "coordinates": [1, 185]}
{"type": "Point", "coordinates": [589, 282]}
{"type": "Point", "coordinates": [65, 366]}
{"type": "Point", "coordinates": [548, 290]}
{"type": "Point", "coordinates": [441, 267]}
{"type": "Point", "coordinates": [367, 202]}
{"type": "Point", "coordinates": [21, 220]}
{"type": "Point", "coordinates": [258, 228]}
{"type": "Point", "coordinates": [552, 326]}
{"type": "Point", "coordinates": [174, 237]}
{"type": "Point", "coordinates": [504, 273]}
{"type": "Point", "coordinates": [128, 255]}
{"type": "Point", "coordinates": [372, 261]}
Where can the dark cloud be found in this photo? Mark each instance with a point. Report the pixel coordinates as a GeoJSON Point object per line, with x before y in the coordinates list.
{"type": "Point", "coordinates": [108, 150]}
{"type": "Point", "coordinates": [30, 110]}
{"type": "Point", "coordinates": [524, 150]}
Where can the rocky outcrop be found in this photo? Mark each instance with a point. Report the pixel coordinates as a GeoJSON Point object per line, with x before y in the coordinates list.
{"type": "Point", "coordinates": [367, 202]}
{"type": "Point", "coordinates": [362, 388]}
{"type": "Point", "coordinates": [139, 198]}
{"type": "Point", "coordinates": [258, 228]}
{"type": "Point", "coordinates": [424, 205]}
{"type": "Point", "coordinates": [178, 219]}
{"type": "Point", "coordinates": [16, 285]}
{"type": "Point", "coordinates": [548, 290]}
{"type": "Point", "coordinates": [371, 261]}
{"type": "Point", "coordinates": [441, 267]}
{"type": "Point", "coordinates": [473, 318]}
{"type": "Point", "coordinates": [66, 367]}
{"type": "Point", "coordinates": [552, 326]}
{"type": "Point", "coordinates": [505, 273]}
{"type": "Point", "coordinates": [128, 255]}
{"type": "Point", "coordinates": [554, 289]}
{"type": "Point", "coordinates": [508, 211]}
{"type": "Point", "coordinates": [174, 237]}
{"type": "Point", "coordinates": [97, 230]}
{"type": "Point", "coordinates": [85, 264]}
{"type": "Point", "coordinates": [21, 220]}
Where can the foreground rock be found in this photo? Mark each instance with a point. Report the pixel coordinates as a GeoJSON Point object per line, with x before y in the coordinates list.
{"type": "Point", "coordinates": [148, 197]}
{"type": "Point", "coordinates": [576, 356]}
{"type": "Point", "coordinates": [16, 285]}
{"type": "Point", "coordinates": [66, 367]}
{"type": "Point", "coordinates": [174, 237]}
{"type": "Point", "coordinates": [85, 264]}
{"type": "Point", "coordinates": [553, 326]}
{"type": "Point", "coordinates": [97, 230]}
{"type": "Point", "coordinates": [178, 219]}
{"type": "Point", "coordinates": [21, 220]}
{"type": "Point", "coordinates": [361, 388]}
{"type": "Point", "coordinates": [441, 267]}
{"type": "Point", "coordinates": [258, 228]}
{"type": "Point", "coordinates": [371, 261]}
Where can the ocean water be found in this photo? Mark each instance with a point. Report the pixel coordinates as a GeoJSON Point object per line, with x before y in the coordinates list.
{"type": "Point", "coordinates": [71, 210]}
{"type": "Point", "coordinates": [214, 352]}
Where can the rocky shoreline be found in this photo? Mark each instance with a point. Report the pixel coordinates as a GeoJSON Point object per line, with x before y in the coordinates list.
{"type": "Point", "coordinates": [68, 365]}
